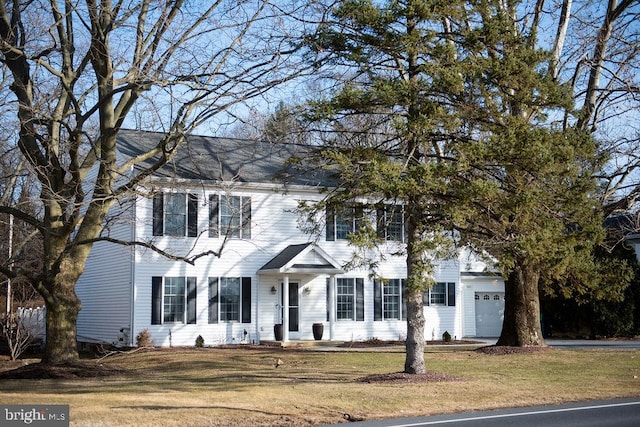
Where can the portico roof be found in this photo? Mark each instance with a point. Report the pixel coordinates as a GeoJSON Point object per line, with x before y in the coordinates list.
{"type": "Point", "coordinates": [305, 258]}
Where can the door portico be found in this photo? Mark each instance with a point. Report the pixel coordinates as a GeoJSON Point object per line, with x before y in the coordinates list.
{"type": "Point", "coordinates": [289, 265]}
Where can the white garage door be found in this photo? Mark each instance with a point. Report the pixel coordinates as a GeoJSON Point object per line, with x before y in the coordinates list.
{"type": "Point", "coordinates": [489, 313]}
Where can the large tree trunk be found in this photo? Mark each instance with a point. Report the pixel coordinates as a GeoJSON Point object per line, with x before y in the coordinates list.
{"type": "Point", "coordinates": [62, 313]}
{"type": "Point", "coordinates": [415, 287]}
{"type": "Point", "coordinates": [521, 327]}
{"type": "Point", "coordinates": [414, 361]}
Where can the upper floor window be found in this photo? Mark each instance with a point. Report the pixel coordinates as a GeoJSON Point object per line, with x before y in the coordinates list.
{"type": "Point", "coordinates": [390, 223]}
{"type": "Point", "coordinates": [229, 216]}
{"type": "Point", "coordinates": [441, 293]}
{"type": "Point", "coordinates": [175, 214]}
{"type": "Point", "coordinates": [343, 221]}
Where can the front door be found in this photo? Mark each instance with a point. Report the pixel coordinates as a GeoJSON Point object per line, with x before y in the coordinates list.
{"type": "Point", "coordinates": [294, 307]}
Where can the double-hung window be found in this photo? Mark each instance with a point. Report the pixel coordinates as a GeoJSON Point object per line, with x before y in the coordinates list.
{"type": "Point", "coordinates": [390, 222]}
{"type": "Point", "coordinates": [441, 293]}
{"type": "Point", "coordinates": [173, 300]}
{"type": "Point", "coordinates": [175, 214]}
{"type": "Point", "coordinates": [229, 299]}
{"type": "Point", "coordinates": [349, 299]}
{"type": "Point", "coordinates": [388, 299]}
{"type": "Point", "coordinates": [343, 221]}
{"type": "Point", "coordinates": [229, 216]}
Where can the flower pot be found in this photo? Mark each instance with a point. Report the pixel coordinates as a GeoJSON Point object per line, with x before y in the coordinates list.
{"type": "Point", "coordinates": [278, 331]}
{"type": "Point", "coordinates": [318, 330]}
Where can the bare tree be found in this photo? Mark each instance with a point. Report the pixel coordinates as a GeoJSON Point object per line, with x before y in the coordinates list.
{"type": "Point", "coordinates": [81, 71]}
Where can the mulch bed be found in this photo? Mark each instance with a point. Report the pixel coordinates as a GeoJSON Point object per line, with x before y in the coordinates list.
{"type": "Point", "coordinates": [69, 371]}
{"type": "Point", "coordinates": [499, 350]}
{"type": "Point", "coordinates": [404, 378]}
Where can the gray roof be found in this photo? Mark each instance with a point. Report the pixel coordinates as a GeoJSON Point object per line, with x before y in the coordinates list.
{"type": "Point", "coordinates": [227, 159]}
{"type": "Point", "coordinates": [284, 257]}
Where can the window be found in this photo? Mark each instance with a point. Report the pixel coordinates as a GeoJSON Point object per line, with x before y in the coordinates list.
{"type": "Point", "coordinates": [229, 216]}
{"type": "Point", "coordinates": [496, 297]}
{"type": "Point", "coordinates": [441, 293]}
{"type": "Point", "coordinates": [486, 297]}
{"type": "Point", "coordinates": [349, 299]}
{"type": "Point", "coordinates": [175, 214]}
{"type": "Point", "coordinates": [229, 299]}
{"type": "Point", "coordinates": [388, 300]}
{"type": "Point", "coordinates": [173, 300]}
{"type": "Point", "coordinates": [343, 221]}
{"type": "Point", "coordinates": [390, 223]}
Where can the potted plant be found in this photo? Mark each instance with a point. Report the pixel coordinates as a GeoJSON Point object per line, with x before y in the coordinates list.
{"type": "Point", "coordinates": [278, 331]}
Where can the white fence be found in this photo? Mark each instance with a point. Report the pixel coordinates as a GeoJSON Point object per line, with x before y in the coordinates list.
{"type": "Point", "coordinates": [35, 320]}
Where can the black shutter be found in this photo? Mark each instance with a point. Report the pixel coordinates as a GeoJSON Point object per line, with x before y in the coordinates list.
{"type": "Point", "coordinates": [381, 223]}
{"type": "Point", "coordinates": [192, 215]}
{"type": "Point", "coordinates": [213, 216]}
{"type": "Point", "coordinates": [403, 298]}
{"type": "Point", "coordinates": [451, 294]}
{"type": "Point", "coordinates": [377, 299]}
{"type": "Point", "coordinates": [156, 300]}
{"type": "Point", "coordinates": [331, 229]}
{"type": "Point", "coordinates": [246, 300]}
{"type": "Point", "coordinates": [426, 297]}
{"type": "Point", "coordinates": [158, 214]}
{"type": "Point", "coordinates": [246, 217]}
{"type": "Point", "coordinates": [360, 299]}
{"type": "Point", "coordinates": [191, 300]}
{"type": "Point", "coordinates": [328, 301]}
{"type": "Point", "coordinates": [213, 300]}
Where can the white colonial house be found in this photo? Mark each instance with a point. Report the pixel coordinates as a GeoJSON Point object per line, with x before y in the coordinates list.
{"type": "Point", "coordinates": [227, 198]}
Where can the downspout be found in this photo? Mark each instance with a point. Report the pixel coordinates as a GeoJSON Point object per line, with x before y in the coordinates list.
{"type": "Point", "coordinates": [133, 275]}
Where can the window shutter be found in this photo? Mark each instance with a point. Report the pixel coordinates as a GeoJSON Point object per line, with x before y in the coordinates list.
{"type": "Point", "coordinates": [328, 302]}
{"type": "Point", "coordinates": [156, 300]}
{"type": "Point", "coordinates": [192, 215]}
{"type": "Point", "coordinates": [331, 224]}
{"type": "Point", "coordinates": [403, 298]}
{"type": "Point", "coordinates": [158, 214]}
{"type": "Point", "coordinates": [377, 299]}
{"type": "Point", "coordinates": [191, 300]}
{"type": "Point", "coordinates": [426, 297]}
{"type": "Point", "coordinates": [246, 217]}
{"type": "Point", "coordinates": [451, 294]}
{"type": "Point", "coordinates": [213, 300]}
{"type": "Point", "coordinates": [360, 299]}
{"type": "Point", "coordinates": [213, 216]}
{"type": "Point", "coordinates": [246, 300]}
{"type": "Point", "coordinates": [380, 223]}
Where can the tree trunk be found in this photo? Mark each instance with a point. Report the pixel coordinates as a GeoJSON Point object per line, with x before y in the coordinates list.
{"type": "Point", "coordinates": [63, 307]}
{"type": "Point", "coordinates": [61, 347]}
{"type": "Point", "coordinates": [414, 361]}
{"type": "Point", "coordinates": [521, 327]}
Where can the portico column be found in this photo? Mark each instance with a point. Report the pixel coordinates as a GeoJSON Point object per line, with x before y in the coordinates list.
{"type": "Point", "coordinates": [332, 307]}
{"type": "Point", "coordinates": [285, 308]}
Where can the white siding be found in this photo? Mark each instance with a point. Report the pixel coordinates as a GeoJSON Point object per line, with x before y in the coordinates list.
{"type": "Point", "coordinates": [104, 288]}
{"type": "Point", "coordinates": [274, 226]}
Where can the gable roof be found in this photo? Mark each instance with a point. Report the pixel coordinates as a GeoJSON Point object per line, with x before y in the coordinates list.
{"type": "Point", "coordinates": [226, 159]}
{"type": "Point", "coordinates": [302, 258]}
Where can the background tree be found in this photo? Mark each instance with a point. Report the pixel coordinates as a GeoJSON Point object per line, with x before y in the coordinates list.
{"type": "Point", "coordinates": [80, 71]}
{"type": "Point", "coordinates": [471, 98]}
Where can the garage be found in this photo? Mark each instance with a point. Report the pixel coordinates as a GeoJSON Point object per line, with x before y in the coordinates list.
{"type": "Point", "coordinates": [489, 313]}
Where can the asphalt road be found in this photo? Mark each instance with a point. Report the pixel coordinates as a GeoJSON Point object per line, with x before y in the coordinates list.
{"type": "Point", "coordinates": [609, 413]}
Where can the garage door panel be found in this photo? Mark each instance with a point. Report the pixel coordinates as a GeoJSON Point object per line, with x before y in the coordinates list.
{"type": "Point", "coordinates": [489, 313]}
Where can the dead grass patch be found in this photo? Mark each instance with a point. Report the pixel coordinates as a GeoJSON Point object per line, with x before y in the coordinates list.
{"type": "Point", "coordinates": [227, 387]}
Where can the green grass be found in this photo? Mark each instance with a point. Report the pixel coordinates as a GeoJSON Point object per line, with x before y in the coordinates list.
{"type": "Point", "coordinates": [215, 387]}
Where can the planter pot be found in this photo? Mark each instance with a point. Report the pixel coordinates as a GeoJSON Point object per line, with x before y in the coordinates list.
{"type": "Point", "coordinates": [318, 330]}
{"type": "Point", "coordinates": [278, 331]}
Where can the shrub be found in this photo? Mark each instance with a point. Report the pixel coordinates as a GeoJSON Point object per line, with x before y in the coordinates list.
{"type": "Point", "coordinates": [143, 339]}
{"type": "Point", "coordinates": [446, 337]}
{"type": "Point", "coordinates": [199, 341]}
